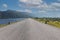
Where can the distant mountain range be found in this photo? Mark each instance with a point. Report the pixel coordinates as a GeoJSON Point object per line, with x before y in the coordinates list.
{"type": "Point", "coordinates": [14, 14]}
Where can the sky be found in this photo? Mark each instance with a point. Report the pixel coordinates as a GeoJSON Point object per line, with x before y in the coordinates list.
{"type": "Point", "coordinates": [40, 8]}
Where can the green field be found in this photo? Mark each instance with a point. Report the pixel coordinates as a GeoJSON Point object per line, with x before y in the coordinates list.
{"type": "Point", "coordinates": [51, 21]}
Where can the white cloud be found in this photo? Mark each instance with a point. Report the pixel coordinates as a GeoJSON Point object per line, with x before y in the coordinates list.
{"type": "Point", "coordinates": [52, 7]}
{"type": "Point", "coordinates": [42, 11]}
{"type": "Point", "coordinates": [43, 6]}
{"type": "Point", "coordinates": [23, 0]}
{"type": "Point", "coordinates": [5, 5]}
{"type": "Point", "coordinates": [34, 3]}
{"type": "Point", "coordinates": [56, 4]}
{"type": "Point", "coordinates": [40, 5]}
{"type": "Point", "coordinates": [26, 10]}
{"type": "Point", "coordinates": [29, 11]}
{"type": "Point", "coordinates": [31, 2]}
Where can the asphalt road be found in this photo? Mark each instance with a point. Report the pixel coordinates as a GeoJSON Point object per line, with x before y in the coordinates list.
{"type": "Point", "coordinates": [29, 29]}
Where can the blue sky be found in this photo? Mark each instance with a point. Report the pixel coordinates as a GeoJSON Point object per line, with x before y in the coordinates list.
{"type": "Point", "coordinates": [40, 8]}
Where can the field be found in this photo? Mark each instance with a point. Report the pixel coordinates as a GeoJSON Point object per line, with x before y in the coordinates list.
{"type": "Point", "coordinates": [51, 21]}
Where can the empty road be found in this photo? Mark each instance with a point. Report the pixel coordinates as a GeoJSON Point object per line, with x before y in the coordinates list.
{"type": "Point", "coordinates": [29, 29]}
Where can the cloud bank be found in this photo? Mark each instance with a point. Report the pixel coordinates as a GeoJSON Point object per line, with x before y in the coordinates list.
{"type": "Point", "coordinates": [40, 5]}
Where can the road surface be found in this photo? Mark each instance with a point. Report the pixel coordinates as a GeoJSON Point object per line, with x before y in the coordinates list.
{"type": "Point", "coordinates": [29, 29]}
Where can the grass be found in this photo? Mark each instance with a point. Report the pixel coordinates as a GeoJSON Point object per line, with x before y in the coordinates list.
{"type": "Point", "coordinates": [53, 23]}
{"type": "Point", "coordinates": [3, 25]}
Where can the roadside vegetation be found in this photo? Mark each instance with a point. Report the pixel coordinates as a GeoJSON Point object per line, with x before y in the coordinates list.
{"type": "Point", "coordinates": [3, 25]}
{"type": "Point", "coordinates": [51, 21]}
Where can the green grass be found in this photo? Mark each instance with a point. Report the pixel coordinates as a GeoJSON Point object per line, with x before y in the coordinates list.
{"type": "Point", "coordinates": [2, 25]}
{"type": "Point", "coordinates": [53, 23]}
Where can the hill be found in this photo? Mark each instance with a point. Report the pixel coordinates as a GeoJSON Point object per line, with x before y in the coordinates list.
{"type": "Point", "coordinates": [14, 14]}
